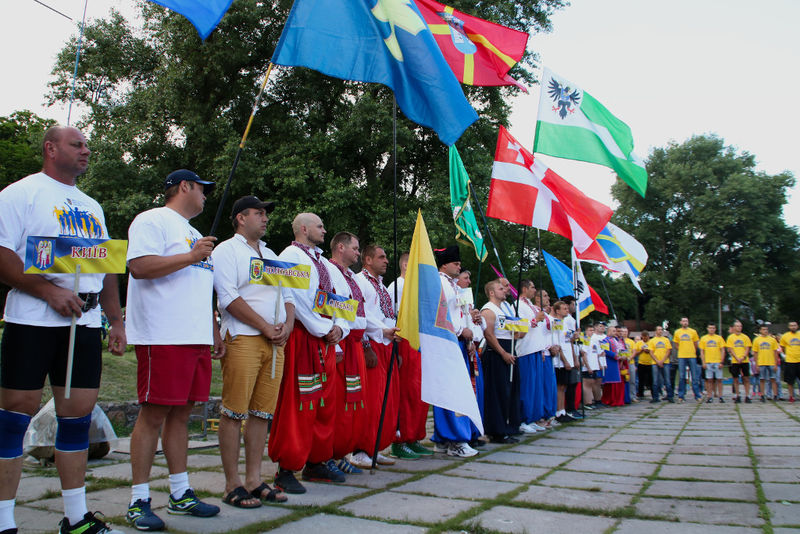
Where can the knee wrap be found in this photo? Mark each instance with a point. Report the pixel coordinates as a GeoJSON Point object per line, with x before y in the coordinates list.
{"type": "Point", "coordinates": [72, 434]}
{"type": "Point", "coordinates": [12, 431]}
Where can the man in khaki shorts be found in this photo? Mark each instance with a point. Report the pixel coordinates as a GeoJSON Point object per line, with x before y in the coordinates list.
{"type": "Point", "coordinates": [256, 322]}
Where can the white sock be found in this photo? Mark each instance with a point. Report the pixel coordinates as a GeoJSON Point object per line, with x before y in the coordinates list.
{"type": "Point", "coordinates": [140, 491]}
{"type": "Point", "coordinates": [74, 504]}
{"type": "Point", "coordinates": [7, 515]}
{"type": "Point", "coordinates": [178, 484]}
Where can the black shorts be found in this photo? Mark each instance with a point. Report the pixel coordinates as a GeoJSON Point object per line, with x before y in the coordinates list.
{"type": "Point", "coordinates": [562, 376]}
{"type": "Point", "coordinates": [574, 376]}
{"type": "Point", "coordinates": [589, 375]}
{"type": "Point", "coordinates": [791, 372]}
{"type": "Point", "coordinates": [740, 369]}
{"type": "Point", "coordinates": [29, 353]}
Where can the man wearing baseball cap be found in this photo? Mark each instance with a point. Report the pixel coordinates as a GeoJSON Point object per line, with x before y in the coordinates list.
{"type": "Point", "coordinates": [171, 325]}
{"type": "Point", "coordinates": [256, 322]}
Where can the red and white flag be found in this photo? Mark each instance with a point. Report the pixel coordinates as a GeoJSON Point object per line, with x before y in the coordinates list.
{"type": "Point", "coordinates": [525, 191]}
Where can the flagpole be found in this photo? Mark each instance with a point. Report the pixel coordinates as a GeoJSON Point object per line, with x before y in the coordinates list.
{"type": "Point", "coordinates": [75, 71]}
{"type": "Point", "coordinates": [578, 328]}
{"type": "Point", "coordinates": [71, 346]}
{"type": "Point", "coordinates": [395, 347]}
{"type": "Point", "coordinates": [541, 275]}
{"type": "Point", "coordinates": [218, 216]}
{"type": "Point", "coordinates": [519, 293]}
{"type": "Point", "coordinates": [486, 226]}
{"type": "Point", "coordinates": [605, 290]}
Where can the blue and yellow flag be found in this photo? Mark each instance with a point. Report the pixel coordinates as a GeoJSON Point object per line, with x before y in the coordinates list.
{"type": "Point", "coordinates": [274, 272]}
{"type": "Point", "coordinates": [203, 14]}
{"type": "Point", "coordinates": [379, 41]}
{"type": "Point", "coordinates": [335, 305]}
{"type": "Point", "coordinates": [63, 254]}
{"type": "Point", "coordinates": [514, 324]}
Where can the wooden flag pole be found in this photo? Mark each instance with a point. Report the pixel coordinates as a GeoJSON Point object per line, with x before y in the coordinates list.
{"type": "Point", "coordinates": [486, 227]}
{"type": "Point", "coordinates": [72, 326]}
{"type": "Point", "coordinates": [227, 189]}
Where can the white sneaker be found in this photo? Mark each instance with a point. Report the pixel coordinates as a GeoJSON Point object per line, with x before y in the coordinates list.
{"type": "Point", "coordinates": [461, 450]}
{"type": "Point", "coordinates": [553, 421]}
{"type": "Point", "coordinates": [527, 429]}
{"type": "Point", "coordinates": [383, 460]}
{"type": "Point", "coordinates": [441, 447]}
{"type": "Point", "coordinates": [537, 428]}
{"type": "Point", "coordinates": [361, 459]}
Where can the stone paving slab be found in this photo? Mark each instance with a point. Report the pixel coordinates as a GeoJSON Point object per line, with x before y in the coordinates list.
{"type": "Point", "coordinates": [782, 492]}
{"type": "Point", "coordinates": [35, 520]}
{"type": "Point", "coordinates": [612, 467]}
{"type": "Point", "coordinates": [720, 490]}
{"type": "Point", "coordinates": [521, 520]}
{"type": "Point", "coordinates": [565, 443]}
{"type": "Point", "coordinates": [35, 487]}
{"type": "Point", "coordinates": [424, 464]}
{"type": "Point", "coordinates": [643, 438]}
{"type": "Point", "coordinates": [111, 501]}
{"type": "Point", "coordinates": [776, 441]}
{"type": "Point", "coordinates": [722, 460]}
{"type": "Point", "coordinates": [656, 448]}
{"type": "Point", "coordinates": [211, 481]}
{"type": "Point", "coordinates": [546, 448]}
{"type": "Point", "coordinates": [784, 514]}
{"type": "Point", "coordinates": [380, 479]}
{"type": "Point", "coordinates": [323, 494]}
{"type": "Point", "coordinates": [712, 450]}
{"type": "Point", "coordinates": [595, 481]}
{"type": "Point", "coordinates": [790, 462]}
{"type": "Point", "coordinates": [514, 458]}
{"type": "Point", "coordinates": [334, 524]}
{"type": "Point", "coordinates": [706, 441]}
{"type": "Point", "coordinates": [123, 471]}
{"type": "Point", "coordinates": [573, 498]}
{"type": "Point", "coordinates": [507, 473]}
{"type": "Point", "coordinates": [457, 487]}
{"type": "Point", "coordinates": [628, 456]}
{"type": "Point", "coordinates": [768, 474]}
{"type": "Point", "coordinates": [782, 451]}
{"type": "Point", "coordinates": [718, 512]}
{"type": "Point", "coordinates": [229, 518]}
{"type": "Point", "coordinates": [406, 507]}
{"type": "Point", "coordinates": [637, 526]}
{"type": "Point", "coordinates": [716, 474]}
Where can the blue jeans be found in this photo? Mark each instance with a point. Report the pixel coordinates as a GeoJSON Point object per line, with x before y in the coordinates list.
{"type": "Point", "coordinates": [661, 378]}
{"type": "Point", "coordinates": [691, 363]}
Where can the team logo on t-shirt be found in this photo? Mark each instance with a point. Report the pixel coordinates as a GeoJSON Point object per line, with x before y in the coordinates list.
{"type": "Point", "coordinates": [686, 337]}
{"type": "Point", "coordinates": [76, 222]}
{"type": "Point", "coordinates": [765, 345]}
{"type": "Point", "coordinates": [203, 264]}
{"type": "Point", "coordinates": [44, 254]}
{"type": "Point", "coordinates": [711, 343]}
{"type": "Point", "coordinates": [794, 341]}
{"type": "Point", "coordinates": [738, 343]}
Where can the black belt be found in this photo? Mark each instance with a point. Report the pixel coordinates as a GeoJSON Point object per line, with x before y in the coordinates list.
{"type": "Point", "coordinates": [90, 301]}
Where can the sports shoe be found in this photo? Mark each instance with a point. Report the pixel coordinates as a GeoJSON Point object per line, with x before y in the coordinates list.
{"type": "Point", "coordinates": [88, 525]}
{"type": "Point", "coordinates": [141, 517]}
{"type": "Point", "coordinates": [384, 460]}
{"type": "Point", "coordinates": [321, 473]}
{"type": "Point", "coordinates": [403, 452]}
{"type": "Point", "coordinates": [419, 448]}
{"type": "Point", "coordinates": [461, 450]}
{"type": "Point", "coordinates": [441, 447]}
{"type": "Point", "coordinates": [189, 504]}
{"type": "Point", "coordinates": [537, 427]}
{"type": "Point", "coordinates": [361, 459]}
{"type": "Point", "coordinates": [288, 483]}
{"type": "Point", "coordinates": [710, 400]}
{"type": "Point", "coordinates": [763, 398]}
{"type": "Point", "coordinates": [721, 400]}
{"type": "Point", "coordinates": [737, 399]}
{"type": "Point", "coordinates": [680, 400]}
{"type": "Point", "coordinates": [747, 400]}
{"type": "Point", "coordinates": [575, 415]}
{"type": "Point", "coordinates": [347, 468]}
{"type": "Point", "coordinates": [333, 467]}
{"type": "Point", "coordinates": [527, 429]}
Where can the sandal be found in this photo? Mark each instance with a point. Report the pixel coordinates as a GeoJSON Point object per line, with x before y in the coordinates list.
{"type": "Point", "coordinates": [238, 496]}
{"type": "Point", "coordinates": [273, 494]}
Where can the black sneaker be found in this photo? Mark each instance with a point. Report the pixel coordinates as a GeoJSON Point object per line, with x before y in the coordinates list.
{"type": "Point", "coordinates": [721, 400]}
{"type": "Point", "coordinates": [88, 525]}
{"type": "Point", "coordinates": [747, 400]}
{"type": "Point", "coordinates": [737, 399]}
{"type": "Point", "coordinates": [288, 483]}
{"type": "Point", "coordinates": [763, 399]}
{"type": "Point", "coordinates": [141, 517]}
{"type": "Point", "coordinates": [189, 504]}
{"type": "Point", "coordinates": [321, 473]}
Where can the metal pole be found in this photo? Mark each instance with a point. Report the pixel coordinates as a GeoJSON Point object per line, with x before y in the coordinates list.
{"type": "Point", "coordinates": [486, 226]}
{"type": "Point", "coordinates": [610, 304]}
{"type": "Point", "coordinates": [77, 57]}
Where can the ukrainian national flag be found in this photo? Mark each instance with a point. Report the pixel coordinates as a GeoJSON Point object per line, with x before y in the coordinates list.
{"type": "Point", "coordinates": [379, 41]}
{"type": "Point", "coordinates": [63, 255]}
{"type": "Point", "coordinates": [425, 322]}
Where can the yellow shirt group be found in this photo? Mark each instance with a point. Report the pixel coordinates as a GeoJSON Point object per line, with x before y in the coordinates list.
{"type": "Point", "coordinates": [659, 348]}
{"type": "Point", "coordinates": [740, 344]}
{"type": "Point", "coordinates": [791, 346]}
{"type": "Point", "coordinates": [685, 339]}
{"type": "Point", "coordinates": [712, 348]}
{"type": "Point", "coordinates": [644, 357]}
{"type": "Point", "coordinates": [765, 348]}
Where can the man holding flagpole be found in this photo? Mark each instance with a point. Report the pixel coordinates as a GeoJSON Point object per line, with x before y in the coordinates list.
{"type": "Point", "coordinates": [38, 312]}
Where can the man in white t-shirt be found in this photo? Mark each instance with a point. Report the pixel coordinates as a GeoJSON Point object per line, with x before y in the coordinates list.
{"type": "Point", "coordinates": [170, 322]}
{"type": "Point", "coordinates": [38, 312]}
{"type": "Point", "coordinates": [256, 322]}
{"type": "Point", "coordinates": [597, 346]}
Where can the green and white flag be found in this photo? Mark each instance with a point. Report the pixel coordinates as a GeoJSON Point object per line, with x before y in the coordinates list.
{"type": "Point", "coordinates": [573, 125]}
{"type": "Point", "coordinates": [463, 216]}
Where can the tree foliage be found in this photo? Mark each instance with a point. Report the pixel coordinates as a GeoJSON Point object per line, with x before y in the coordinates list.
{"type": "Point", "coordinates": [21, 136]}
{"type": "Point", "coordinates": [711, 221]}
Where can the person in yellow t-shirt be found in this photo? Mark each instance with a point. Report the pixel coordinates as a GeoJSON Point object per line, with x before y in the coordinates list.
{"type": "Point", "coordinates": [660, 348]}
{"type": "Point", "coordinates": [644, 365]}
{"type": "Point", "coordinates": [765, 349]}
{"type": "Point", "coordinates": [790, 341]}
{"type": "Point", "coordinates": [738, 346]}
{"type": "Point", "coordinates": [712, 346]}
{"type": "Point", "coordinates": [630, 345]}
{"type": "Point", "coordinates": [686, 339]}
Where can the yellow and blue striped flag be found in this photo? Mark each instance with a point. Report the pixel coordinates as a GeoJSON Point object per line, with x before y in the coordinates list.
{"type": "Point", "coordinates": [63, 254]}
{"type": "Point", "coordinates": [335, 305]}
{"type": "Point", "coordinates": [274, 272]}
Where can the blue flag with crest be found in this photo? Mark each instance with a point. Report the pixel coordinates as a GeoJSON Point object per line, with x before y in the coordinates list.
{"type": "Point", "coordinates": [379, 41]}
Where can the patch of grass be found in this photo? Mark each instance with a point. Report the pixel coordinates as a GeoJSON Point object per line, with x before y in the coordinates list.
{"type": "Point", "coordinates": [761, 499]}
{"type": "Point", "coordinates": [99, 484]}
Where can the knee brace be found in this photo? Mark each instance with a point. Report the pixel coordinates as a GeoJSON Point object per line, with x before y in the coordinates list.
{"type": "Point", "coordinates": [72, 434]}
{"type": "Point", "coordinates": [12, 431]}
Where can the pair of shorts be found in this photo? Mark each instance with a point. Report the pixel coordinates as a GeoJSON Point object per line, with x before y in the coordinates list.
{"type": "Point", "coordinates": [173, 375]}
{"type": "Point", "coordinates": [768, 372]}
{"type": "Point", "coordinates": [574, 375]}
{"type": "Point", "coordinates": [30, 353]}
{"type": "Point", "coordinates": [247, 383]}
{"type": "Point", "coordinates": [589, 375]}
{"type": "Point", "coordinates": [562, 376]}
{"type": "Point", "coordinates": [791, 372]}
{"type": "Point", "coordinates": [742, 369]}
{"type": "Point", "coordinates": [713, 370]}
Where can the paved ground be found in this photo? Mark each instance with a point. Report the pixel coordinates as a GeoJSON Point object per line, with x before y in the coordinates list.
{"type": "Point", "coordinates": [639, 469]}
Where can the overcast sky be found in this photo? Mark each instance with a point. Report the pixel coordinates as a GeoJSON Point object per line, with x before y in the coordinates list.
{"type": "Point", "coordinates": [670, 70]}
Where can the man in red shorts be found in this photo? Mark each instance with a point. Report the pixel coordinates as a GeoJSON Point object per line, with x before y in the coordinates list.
{"type": "Point", "coordinates": [171, 324]}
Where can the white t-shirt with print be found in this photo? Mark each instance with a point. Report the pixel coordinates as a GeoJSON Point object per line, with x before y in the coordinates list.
{"type": "Point", "coordinates": [39, 205]}
{"type": "Point", "coordinates": [174, 309]}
